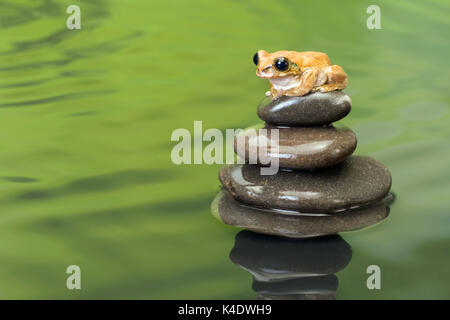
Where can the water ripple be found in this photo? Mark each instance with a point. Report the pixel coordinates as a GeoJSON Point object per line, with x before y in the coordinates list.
{"type": "Point", "coordinates": [62, 97]}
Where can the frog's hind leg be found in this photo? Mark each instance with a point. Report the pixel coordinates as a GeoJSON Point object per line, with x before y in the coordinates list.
{"type": "Point", "coordinates": [330, 87]}
{"type": "Point", "coordinates": [337, 79]}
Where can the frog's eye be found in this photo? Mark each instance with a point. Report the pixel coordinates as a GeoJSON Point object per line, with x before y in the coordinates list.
{"type": "Point", "coordinates": [256, 58]}
{"type": "Point", "coordinates": [281, 64]}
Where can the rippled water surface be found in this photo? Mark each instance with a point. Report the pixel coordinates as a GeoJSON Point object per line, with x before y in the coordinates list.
{"type": "Point", "coordinates": [86, 118]}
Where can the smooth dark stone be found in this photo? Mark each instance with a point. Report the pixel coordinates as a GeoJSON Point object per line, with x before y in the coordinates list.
{"type": "Point", "coordinates": [297, 147]}
{"type": "Point", "coordinates": [271, 258]}
{"type": "Point", "coordinates": [310, 110]}
{"type": "Point", "coordinates": [295, 225]}
{"type": "Point", "coordinates": [357, 181]}
{"type": "Point", "coordinates": [306, 285]}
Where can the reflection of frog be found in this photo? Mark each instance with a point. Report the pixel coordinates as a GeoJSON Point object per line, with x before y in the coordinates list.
{"type": "Point", "coordinates": [294, 73]}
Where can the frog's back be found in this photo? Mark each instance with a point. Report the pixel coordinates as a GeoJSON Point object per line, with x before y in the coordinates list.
{"type": "Point", "coordinates": [313, 58]}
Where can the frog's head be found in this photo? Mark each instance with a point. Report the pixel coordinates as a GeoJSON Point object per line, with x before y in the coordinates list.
{"type": "Point", "coordinates": [279, 67]}
{"type": "Point", "coordinates": [275, 65]}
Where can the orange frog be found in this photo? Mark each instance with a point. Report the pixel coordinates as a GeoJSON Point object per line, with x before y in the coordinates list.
{"type": "Point", "coordinates": [294, 73]}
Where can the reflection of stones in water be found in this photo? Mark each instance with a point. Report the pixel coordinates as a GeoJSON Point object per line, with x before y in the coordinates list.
{"type": "Point", "coordinates": [291, 268]}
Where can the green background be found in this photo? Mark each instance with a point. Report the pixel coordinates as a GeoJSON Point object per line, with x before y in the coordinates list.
{"type": "Point", "coordinates": [86, 118]}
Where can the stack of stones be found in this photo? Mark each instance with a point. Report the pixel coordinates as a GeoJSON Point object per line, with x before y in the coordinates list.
{"type": "Point", "coordinates": [291, 269]}
{"type": "Point", "coordinates": [320, 189]}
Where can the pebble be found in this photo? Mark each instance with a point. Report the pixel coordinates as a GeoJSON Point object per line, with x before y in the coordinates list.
{"type": "Point", "coordinates": [295, 225]}
{"type": "Point", "coordinates": [357, 181]}
{"type": "Point", "coordinates": [311, 110]}
{"type": "Point", "coordinates": [296, 147]}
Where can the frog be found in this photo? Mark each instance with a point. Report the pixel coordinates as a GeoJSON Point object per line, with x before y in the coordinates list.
{"type": "Point", "coordinates": [293, 73]}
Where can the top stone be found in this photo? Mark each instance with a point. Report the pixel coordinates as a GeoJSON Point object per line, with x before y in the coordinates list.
{"type": "Point", "coordinates": [310, 110]}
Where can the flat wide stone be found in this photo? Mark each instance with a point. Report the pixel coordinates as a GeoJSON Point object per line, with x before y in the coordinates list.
{"type": "Point", "coordinates": [357, 181]}
{"type": "Point", "coordinates": [297, 147]}
{"type": "Point", "coordinates": [310, 110]}
{"type": "Point", "coordinates": [294, 225]}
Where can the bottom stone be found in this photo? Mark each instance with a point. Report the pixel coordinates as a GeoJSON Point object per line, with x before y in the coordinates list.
{"type": "Point", "coordinates": [295, 224]}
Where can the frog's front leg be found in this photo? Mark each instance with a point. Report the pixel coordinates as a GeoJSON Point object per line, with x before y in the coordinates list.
{"type": "Point", "coordinates": [307, 81]}
{"type": "Point", "coordinates": [274, 93]}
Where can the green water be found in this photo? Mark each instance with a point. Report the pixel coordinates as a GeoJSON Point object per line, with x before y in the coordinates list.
{"type": "Point", "coordinates": [86, 118]}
